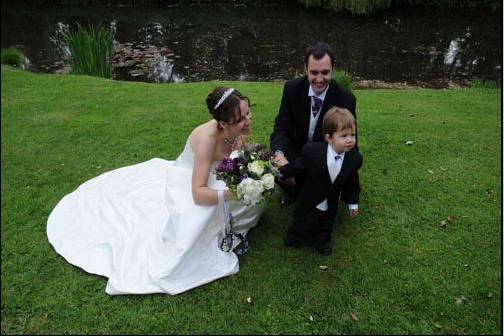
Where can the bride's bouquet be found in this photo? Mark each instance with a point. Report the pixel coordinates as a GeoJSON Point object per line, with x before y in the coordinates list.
{"type": "Point", "coordinates": [249, 173]}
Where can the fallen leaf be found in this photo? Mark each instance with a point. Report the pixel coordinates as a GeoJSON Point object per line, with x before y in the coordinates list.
{"type": "Point", "coordinates": [466, 265]}
{"type": "Point", "coordinates": [446, 221]}
{"type": "Point", "coordinates": [354, 317]}
{"type": "Point", "coordinates": [443, 168]}
{"type": "Point", "coordinates": [311, 318]}
{"type": "Point", "coordinates": [430, 171]}
{"type": "Point", "coordinates": [460, 300]}
{"type": "Point", "coordinates": [490, 295]}
{"type": "Point", "coordinates": [409, 142]}
{"type": "Point", "coordinates": [385, 262]}
{"type": "Point", "coordinates": [437, 325]}
{"type": "Point", "coordinates": [249, 300]}
{"type": "Point", "coordinates": [323, 267]}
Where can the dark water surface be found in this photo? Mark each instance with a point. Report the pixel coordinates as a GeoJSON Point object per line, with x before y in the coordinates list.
{"type": "Point", "coordinates": [418, 46]}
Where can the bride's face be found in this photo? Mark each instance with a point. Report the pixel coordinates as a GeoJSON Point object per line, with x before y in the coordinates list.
{"type": "Point", "coordinates": [244, 124]}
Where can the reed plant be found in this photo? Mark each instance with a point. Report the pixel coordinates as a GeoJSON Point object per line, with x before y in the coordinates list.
{"type": "Point", "coordinates": [91, 50]}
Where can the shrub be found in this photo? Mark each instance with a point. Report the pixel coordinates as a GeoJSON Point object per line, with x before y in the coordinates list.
{"type": "Point", "coordinates": [343, 78]}
{"type": "Point", "coordinates": [13, 57]}
{"type": "Point", "coordinates": [91, 50]}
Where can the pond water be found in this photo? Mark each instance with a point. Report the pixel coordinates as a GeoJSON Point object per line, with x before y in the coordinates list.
{"type": "Point", "coordinates": [187, 43]}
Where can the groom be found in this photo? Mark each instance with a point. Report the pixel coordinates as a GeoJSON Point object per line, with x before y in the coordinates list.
{"type": "Point", "coordinates": [305, 101]}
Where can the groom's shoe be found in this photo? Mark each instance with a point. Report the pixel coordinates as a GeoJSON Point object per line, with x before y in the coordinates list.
{"type": "Point", "coordinates": [285, 200]}
{"type": "Point", "coordinates": [291, 241]}
{"type": "Point", "coordinates": [323, 247]}
{"type": "Point", "coordinates": [326, 250]}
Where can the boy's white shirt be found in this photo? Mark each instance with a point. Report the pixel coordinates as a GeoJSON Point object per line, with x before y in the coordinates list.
{"type": "Point", "coordinates": [334, 168]}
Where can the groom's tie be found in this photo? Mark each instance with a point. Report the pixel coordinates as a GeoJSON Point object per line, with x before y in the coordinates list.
{"type": "Point", "coordinates": [317, 104]}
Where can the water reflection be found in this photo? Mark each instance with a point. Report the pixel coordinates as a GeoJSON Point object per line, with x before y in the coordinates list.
{"type": "Point", "coordinates": [186, 44]}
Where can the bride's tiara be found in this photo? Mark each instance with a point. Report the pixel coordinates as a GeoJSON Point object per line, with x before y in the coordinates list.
{"type": "Point", "coordinates": [226, 94]}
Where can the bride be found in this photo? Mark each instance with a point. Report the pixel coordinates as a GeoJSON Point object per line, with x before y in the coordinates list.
{"type": "Point", "coordinates": [156, 227]}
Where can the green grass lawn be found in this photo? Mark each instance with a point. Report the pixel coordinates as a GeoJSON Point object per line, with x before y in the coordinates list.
{"type": "Point", "coordinates": [394, 269]}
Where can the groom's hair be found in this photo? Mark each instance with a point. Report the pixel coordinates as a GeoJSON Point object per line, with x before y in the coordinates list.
{"type": "Point", "coordinates": [229, 110]}
{"type": "Point", "coordinates": [319, 50]}
{"type": "Point", "coordinates": [337, 119]}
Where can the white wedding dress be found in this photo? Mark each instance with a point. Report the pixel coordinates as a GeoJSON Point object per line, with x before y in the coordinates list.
{"type": "Point", "coordinates": [139, 227]}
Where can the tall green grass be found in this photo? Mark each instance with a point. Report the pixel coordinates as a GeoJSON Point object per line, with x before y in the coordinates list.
{"type": "Point", "coordinates": [92, 50]}
{"type": "Point", "coordinates": [483, 84]}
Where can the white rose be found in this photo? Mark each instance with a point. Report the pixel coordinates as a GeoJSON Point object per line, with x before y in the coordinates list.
{"type": "Point", "coordinates": [235, 154]}
{"type": "Point", "coordinates": [250, 191]}
{"type": "Point", "coordinates": [268, 181]}
{"type": "Point", "coordinates": [256, 167]}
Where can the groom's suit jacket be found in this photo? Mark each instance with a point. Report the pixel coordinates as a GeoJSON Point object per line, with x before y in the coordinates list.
{"type": "Point", "coordinates": [318, 186]}
{"type": "Point", "coordinates": [290, 132]}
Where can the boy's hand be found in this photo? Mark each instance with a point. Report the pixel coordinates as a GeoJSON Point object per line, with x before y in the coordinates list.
{"type": "Point", "coordinates": [280, 160]}
{"type": "Point", "coordinates": [354, 213]}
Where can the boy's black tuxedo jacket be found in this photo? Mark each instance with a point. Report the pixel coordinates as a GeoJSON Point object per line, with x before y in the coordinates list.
{"type": "Point", "coordinates": [312, 164]}
{"type": "Point", "coordinates": [290, 132]}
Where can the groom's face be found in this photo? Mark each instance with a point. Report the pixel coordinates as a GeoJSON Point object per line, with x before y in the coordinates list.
{"type": "Point", "coordinates": [319, 73]}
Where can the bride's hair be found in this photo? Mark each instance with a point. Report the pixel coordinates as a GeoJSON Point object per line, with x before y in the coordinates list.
{"type": "Point", "coordinates": [229, 109]}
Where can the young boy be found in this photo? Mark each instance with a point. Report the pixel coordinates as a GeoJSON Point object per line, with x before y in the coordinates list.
{"type": "Point", "coordinates": [330, 169]}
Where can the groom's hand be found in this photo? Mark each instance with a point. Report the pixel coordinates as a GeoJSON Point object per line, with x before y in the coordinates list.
{"type": "Point", "coordinates": [291, 181]}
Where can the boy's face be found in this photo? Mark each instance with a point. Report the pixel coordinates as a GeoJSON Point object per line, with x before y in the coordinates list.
{"type": "Point", "coordinates": [342, 140]}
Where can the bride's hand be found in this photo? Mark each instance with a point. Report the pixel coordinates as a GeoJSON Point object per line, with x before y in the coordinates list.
{"type": "Point", "coordinates": [228, 196]}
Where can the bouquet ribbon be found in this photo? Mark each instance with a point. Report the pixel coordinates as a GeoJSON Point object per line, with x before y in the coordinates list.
{"type": "Point", "coordinates": [230, 241]}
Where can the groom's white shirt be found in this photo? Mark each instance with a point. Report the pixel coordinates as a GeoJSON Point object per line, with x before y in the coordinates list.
{"type": "Point", "coordinates": [334, 167]}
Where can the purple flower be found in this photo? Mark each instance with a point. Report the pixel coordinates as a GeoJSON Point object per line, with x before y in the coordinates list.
{"type": "Point", "coordinates": [256, 147]}
{"type": "Point", "coordinates": [227, 165]}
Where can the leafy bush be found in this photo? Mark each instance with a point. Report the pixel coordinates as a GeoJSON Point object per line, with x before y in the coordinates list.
{"type": "Point", "coordinates": [91, 50]}
{"type": "Point", "coordinates": [13, 56]}
{"type": "Point", "coordinates": [343, 78]}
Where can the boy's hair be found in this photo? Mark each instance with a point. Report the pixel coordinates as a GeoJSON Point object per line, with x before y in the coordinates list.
{"type": "Point", "coordinates": [337, 119]}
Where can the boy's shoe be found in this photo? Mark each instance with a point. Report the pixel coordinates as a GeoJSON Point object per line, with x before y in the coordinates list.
{"type": "Point", "coordinates": [291, 241]}
{"type": "Point", "coordinates": [324, 248]}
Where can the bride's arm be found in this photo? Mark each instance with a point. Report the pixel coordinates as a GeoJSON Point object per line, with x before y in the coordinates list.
{"type": "Point", "coordinates": [202, 194]}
